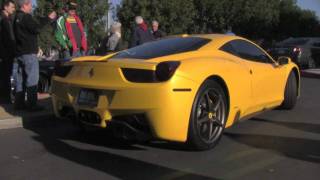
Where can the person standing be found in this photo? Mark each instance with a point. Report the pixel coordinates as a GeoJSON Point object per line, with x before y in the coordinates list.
{"type": "Point", "coordinates": [75, 31]}
{"type": "Point", "coordinates": [113, 42]}
{"type": "Point", "coordinates": [7, 49]}
{"type": "Point", "coordinates": [156, 32]}
{"type": "Point", "coordinates": [229, 31]}
{"type": "Point", "coordinates": [26, 30]}
{"type": "Point", "coordinates": [141, 33]}
{"type": "Point", "coordinates": [61, 35]}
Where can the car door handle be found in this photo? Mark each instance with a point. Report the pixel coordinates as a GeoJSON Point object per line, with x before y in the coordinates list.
{"type": "Point", "coordinates": [251, 72]}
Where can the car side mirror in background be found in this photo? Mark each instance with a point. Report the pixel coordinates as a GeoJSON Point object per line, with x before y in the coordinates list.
{"type": "Point", "coordinates": [283, 60]}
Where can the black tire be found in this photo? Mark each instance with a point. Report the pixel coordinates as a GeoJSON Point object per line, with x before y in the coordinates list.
{"type": "Point", "coordinates": [208, 116]}
{"type": "Point", "coordinates": [290, 93]}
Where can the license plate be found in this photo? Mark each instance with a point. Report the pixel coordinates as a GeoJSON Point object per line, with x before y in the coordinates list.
{"type": "Point", "coordinates": [88, 97]}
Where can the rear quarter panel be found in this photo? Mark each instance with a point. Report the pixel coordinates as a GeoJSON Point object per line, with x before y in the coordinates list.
{"type": "Point", "coordinates": [230, 70]}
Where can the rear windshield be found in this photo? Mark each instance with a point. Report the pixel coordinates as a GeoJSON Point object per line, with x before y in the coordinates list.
{"type": "Point", "coordinates": [294, 42]}
{"type": "Point", "coordinates": [163, 47]}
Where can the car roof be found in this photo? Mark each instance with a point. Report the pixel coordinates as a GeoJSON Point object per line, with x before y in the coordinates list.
{"type": "Point", "coordinates": [217, 39]}
{"type": "Point", "coordinates": [214, 36]}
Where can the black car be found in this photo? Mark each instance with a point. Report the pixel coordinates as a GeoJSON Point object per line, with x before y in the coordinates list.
{"type": "Point", "coordinates": [304, 51]}
{"type": "Point", "coordinates": [46, 70]}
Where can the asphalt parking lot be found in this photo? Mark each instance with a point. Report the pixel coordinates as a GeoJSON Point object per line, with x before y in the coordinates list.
{"type": "Point", "coordinates": [274, 145]}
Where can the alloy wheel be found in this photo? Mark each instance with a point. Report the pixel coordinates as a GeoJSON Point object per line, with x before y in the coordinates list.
{"type": "Point", "coordinates": [211, 115]}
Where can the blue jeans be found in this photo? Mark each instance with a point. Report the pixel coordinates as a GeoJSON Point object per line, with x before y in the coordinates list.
{"type": "Point", "coordinates": [78, 53]}
{"type": "Point", "coordinates": [66, 55]}
{"type": "Point", "coordinates": [27, 72]}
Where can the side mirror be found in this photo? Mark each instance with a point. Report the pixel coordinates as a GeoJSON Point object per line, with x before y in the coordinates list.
{"type": "Point", "coordinates": [283, 60]}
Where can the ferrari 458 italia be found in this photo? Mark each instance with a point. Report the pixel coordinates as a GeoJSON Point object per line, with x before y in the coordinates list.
{"type": "Point", "coordinates": [185, 88]}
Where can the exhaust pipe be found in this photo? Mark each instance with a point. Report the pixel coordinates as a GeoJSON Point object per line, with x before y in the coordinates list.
{"type": "Point", "coordinates": [124, 130]}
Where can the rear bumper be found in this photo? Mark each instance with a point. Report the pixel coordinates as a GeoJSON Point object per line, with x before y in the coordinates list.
{"type": "Point", "coordinates": [166, 110]}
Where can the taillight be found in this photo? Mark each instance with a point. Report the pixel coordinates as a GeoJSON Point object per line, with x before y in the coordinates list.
{"type": "Point", "coordinates": [297, 50]}
{"type": "Point", "coordinates": [139, 75]}
{"type": "Point", "coordinates": [164, 71]}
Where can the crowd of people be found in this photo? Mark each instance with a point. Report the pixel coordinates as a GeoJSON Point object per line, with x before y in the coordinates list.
{"type": "Point", "coordinates": [19, 46]}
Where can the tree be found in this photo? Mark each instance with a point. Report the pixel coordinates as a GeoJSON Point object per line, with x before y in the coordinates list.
{"type": "Point", "coordinates": [91, 12]}
{"type": "Point", "coordinates": [175, 17]}
{"type": "Point", "coordinates": [296, 22]}
{"type": "Point", "coordinates": [247, 17]}
{"type": "Point", "coordinates": [46, 36]}
{"type": "Point", "coordinates": [255, 19]}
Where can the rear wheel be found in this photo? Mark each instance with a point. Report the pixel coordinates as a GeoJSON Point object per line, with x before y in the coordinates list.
{"type": "Point", "coordinates": [208, 116]}
{"type": "Point", "coordinates": [291, 92]}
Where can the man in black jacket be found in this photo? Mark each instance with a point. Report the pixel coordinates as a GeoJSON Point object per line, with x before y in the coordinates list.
{"type": "Point", "coordinates": [26, 31]}
{"type": "Point", "coordinates": [141, 33]}
{"type": "Point", "coordinates": [7, 49]}
{"type": "Point", "coordinates": [156, 32]}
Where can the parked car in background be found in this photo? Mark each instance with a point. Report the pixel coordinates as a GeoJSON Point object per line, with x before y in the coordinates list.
{"type": "Point", "coordinates": [304, 51]}
{"type": "Point", "coordinates": [46, 70]}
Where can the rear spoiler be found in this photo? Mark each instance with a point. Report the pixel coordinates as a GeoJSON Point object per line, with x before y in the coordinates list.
{"type": "Point", "coordinates": [92, 58]}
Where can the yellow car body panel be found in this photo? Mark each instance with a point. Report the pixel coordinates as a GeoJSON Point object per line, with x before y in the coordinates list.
{"type": "Point", "coordinates": [251, 87]}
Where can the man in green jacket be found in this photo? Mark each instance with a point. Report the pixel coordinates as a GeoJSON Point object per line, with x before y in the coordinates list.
{"type": "Point", "coordinates": [62, 37]}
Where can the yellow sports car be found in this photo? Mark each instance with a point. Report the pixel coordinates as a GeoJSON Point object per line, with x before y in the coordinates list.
{"type": "Point", "coordinates": [185, 88]}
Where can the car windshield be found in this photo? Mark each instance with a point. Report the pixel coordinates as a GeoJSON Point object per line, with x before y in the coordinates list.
{"type": "Point", "coordinates": [295, 42]}
{"type": "Point", "coordinates": [163, 47]}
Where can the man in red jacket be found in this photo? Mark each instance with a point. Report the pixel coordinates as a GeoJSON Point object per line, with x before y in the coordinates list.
{"type": "Point", "coordinates": [75, 32]}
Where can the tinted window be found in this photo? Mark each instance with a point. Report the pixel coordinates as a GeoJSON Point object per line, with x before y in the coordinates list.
{"type": "Point", "coordinates": [316, 44]}
{"type": "Point", "coordinates": [295, 42]}
{"type": "Point", "coordinates": [163, 47]}
{"type": "Point", "coordinates": [246, 50]}
{"type": "Point", "coordinates": [229, 49]}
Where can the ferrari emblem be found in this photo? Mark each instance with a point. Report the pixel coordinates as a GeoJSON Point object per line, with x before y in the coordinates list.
{"type": "Point", "coordinates": [210, 115]}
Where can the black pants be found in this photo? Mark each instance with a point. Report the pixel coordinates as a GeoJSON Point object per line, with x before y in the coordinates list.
{"type": "Point", "coordinates": [5, 79]}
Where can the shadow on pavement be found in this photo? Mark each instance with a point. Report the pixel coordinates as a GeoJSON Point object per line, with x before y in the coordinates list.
{"type": "Point", "coordinates": [44, 101]}
{"type": "Point", "coordinates": [169, 146]}
{"type": "Point", "coordinates": [52, 133]}
{"type": "Point", "coordinates": [48, 126]}
{"type": "Point", "coordinates": [307, 127]}
{"type": "Point", "coordinates": [298, 148]}
{"type": "Point", "coordinates": [112, 164]}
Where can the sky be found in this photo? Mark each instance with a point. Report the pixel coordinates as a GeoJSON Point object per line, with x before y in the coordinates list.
{"type": "Point", "coordinates": [310, 4]}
